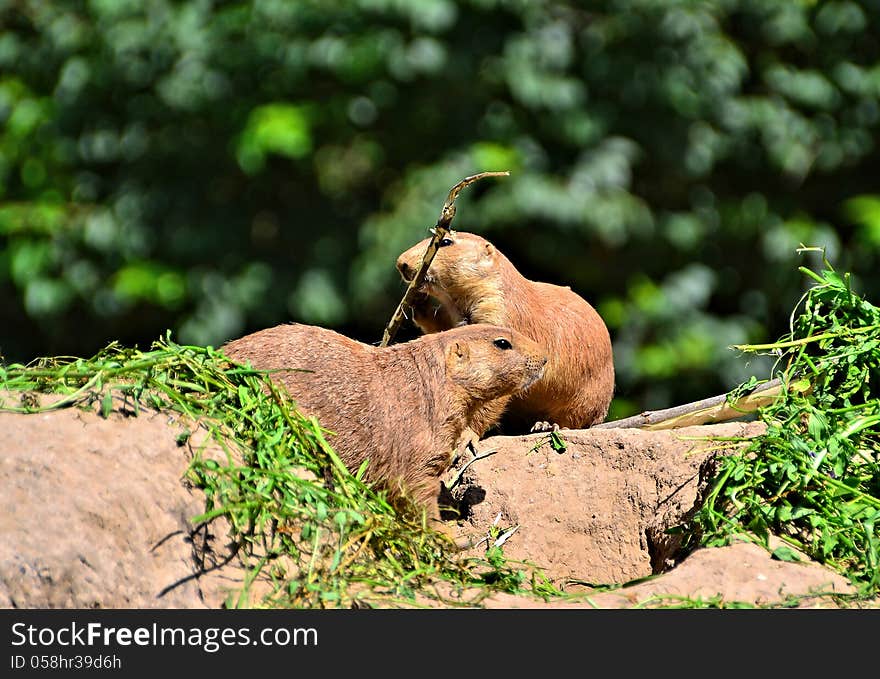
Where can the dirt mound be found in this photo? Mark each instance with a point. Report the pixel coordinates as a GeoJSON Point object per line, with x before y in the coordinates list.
{"type": "Point", "coordinates": [99, 515]}
{"type": "Point", "coordinates": [599, 510]}
{"type": "Point", "coordinates": [724, 576]}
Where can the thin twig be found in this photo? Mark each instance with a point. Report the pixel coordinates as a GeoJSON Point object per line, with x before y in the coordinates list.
{"type": "Point", "coordinates": [807, 340]}
{"type": "Point", "coordinates": [439, 232]}
{"type": "Point", "coordinates": [485, 453]}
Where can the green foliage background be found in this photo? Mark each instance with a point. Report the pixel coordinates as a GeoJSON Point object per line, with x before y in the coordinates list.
{"type": "Point", "coordinates": [217, 167]}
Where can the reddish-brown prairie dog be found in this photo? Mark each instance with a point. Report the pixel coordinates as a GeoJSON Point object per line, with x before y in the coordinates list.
{"type": "Point", "coordinates": [403, 407]}
{"type": "Point", "coordinates": [473, 282]}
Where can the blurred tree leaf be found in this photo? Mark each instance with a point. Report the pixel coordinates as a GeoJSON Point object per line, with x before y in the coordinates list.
{"type": "Point", "coordinates": [273, 128]}
{"type": "Point", "coordinates": [215, 168]}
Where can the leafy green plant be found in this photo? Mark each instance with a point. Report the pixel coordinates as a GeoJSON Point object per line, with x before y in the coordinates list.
{"type": "Point", "coordinates": [553, 439]}
{"type": "Point", "coordinates": [814, 478]}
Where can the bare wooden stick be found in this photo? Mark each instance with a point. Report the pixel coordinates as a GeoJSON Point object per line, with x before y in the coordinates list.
{"type": "Point", "coordinates": [439, 232]}
{"type": "Point", "coordinates": [713, 409]}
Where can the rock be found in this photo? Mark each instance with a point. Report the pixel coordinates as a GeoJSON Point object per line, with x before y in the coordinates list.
{"type": "Point", "coordinates": [96, 514]}
{"type": "Point", "coordinates": [737, 574]}
{"type": "Point", "coordinates": [598, 512]}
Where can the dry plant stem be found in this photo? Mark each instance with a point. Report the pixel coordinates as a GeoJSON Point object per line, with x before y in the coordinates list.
{"type": "Point", "coordinates": [477, 456]}
{"type": "Point", "coordinates": [505, 537]}
{"type": "Point", "coordinates": [439, 232]}
{"type": "Point", "coordinates": [713, 409]}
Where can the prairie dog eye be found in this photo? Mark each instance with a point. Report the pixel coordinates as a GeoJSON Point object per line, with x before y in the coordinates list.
{"type": "Point", "coordinates": [502, 343]}
{"type": "Point", "coordinates": [445, 241]}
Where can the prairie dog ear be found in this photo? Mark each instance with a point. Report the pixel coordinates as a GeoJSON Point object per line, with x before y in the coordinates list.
{"type": "Point", "coordinates": [458, 351]}
{"type": "Point", "coordinates": [489, 250]}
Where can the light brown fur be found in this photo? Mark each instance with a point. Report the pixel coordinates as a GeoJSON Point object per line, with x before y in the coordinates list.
{"type": "Point", "coordinates": [475, 283]}
{"type": "Point", "coordinates": [404, 407]}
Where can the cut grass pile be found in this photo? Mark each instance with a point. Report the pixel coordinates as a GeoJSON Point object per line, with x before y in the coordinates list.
{"type": "Point", "coordinates": [814, 478]}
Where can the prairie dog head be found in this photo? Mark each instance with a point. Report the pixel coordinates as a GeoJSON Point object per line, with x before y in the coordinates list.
{"type": "Point", "coordinates": [465, 277]}
{"type": "Point", "coordinates": [489, 361]}
{"type": "Point", "coordinates": [463, 262]}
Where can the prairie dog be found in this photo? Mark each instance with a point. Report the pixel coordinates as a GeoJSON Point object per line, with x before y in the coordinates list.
{"type": "Point", "coordinates": [473, 282]}
{"type": "Point", "coordinates": [403, 407]}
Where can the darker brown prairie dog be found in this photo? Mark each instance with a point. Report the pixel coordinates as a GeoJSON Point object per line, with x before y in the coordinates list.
{"type": "Point", "coordinates": [404, 407]}
{"type": "Point", "coordinates": [475, 283]}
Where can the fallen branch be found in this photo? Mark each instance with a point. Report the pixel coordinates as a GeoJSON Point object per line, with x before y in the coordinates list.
{"type": "Point", "coordinates": [440, 231]}
{"type": "Point", "coordinates": [714, 409]}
